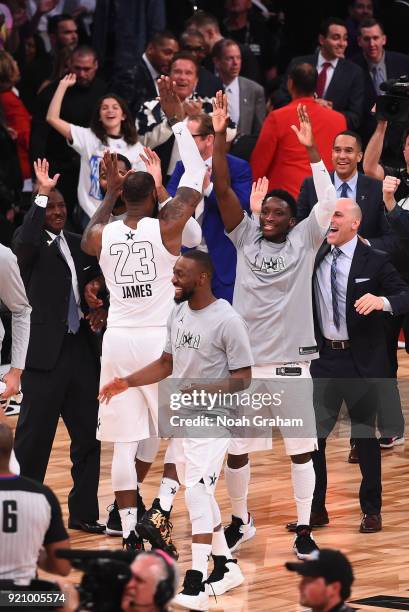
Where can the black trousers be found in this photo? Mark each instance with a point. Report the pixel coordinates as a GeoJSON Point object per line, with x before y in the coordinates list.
{"type": "Point", "coordinates": [70, 389]}
{"type": "Point", "coordinates": [336, 380]}
{"type": "Point", "coordinates": [390, 417]}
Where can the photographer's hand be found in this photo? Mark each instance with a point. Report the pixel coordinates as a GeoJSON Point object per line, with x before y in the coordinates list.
{"type": "Point", "coordinates": [72, 598]}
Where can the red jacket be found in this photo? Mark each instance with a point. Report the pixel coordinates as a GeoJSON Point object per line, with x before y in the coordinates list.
{"type": "Point", "coordinates": [280, 157]}
{"type": "Point", "coordinates": [18, 118]}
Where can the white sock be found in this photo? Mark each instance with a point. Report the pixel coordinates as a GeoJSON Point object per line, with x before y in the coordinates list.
{"type": "Point", "coordinates": [237, 483]}
{"type": "Point", "coordinates": [14, 465]}
{"type": "Point", "coordinates": [219, 544]}
{"type": "Point", "coordinates": [128, 520]}
{"type": "Point", "coordinates": [303, 477]}
{"type": "Point", "coordinates": [167, 491]}
{"type": "Point", "coordinates": [200, 557]}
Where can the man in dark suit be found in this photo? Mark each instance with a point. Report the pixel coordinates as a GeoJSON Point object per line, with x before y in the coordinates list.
{"type": "Point", "coordinates": [219, 246]}
{"type": "Point", "coordinates": [350, 280]}
{"type": "Point", "coordinates": [340, 82]}
{"type": "Point", "coordinates": [62, 365]}
{"type": "Point", "coordinates": [193, 42]}
{"type": "Point", "coordinates": [378, 66]}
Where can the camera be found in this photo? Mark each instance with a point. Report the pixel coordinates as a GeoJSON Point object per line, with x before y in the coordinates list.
{"type": "Point", "coordinates": [106, 573]}
{"type": "Point", "coordinates": [394, 105]}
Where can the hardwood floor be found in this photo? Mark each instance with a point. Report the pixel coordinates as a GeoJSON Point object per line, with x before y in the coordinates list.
{"type": "Point", "coordinates": [380, 560]}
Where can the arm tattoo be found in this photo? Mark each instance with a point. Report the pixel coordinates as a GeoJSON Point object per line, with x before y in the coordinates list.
{"type": "Point", "coordinates": [181, 206]}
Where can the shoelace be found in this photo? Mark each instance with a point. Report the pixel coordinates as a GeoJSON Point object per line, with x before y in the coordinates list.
{"type": "Point", "coordinates": [210, 585]}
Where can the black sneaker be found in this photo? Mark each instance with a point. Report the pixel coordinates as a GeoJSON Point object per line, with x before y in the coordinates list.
{"type": "Point", "coordinates": [237, 532]}
{"type": "Point", "coordinates": [304, 545]}
{"type": "Point", "coordinates": [133, 542]}
{"type": "Point", "coordinates": [194, 595]}
{"type": "Point", "coordinates": [156, 527]}
{"type": "Point", "coordinates": [226, 575]}
{"type": "Point", "coordinates": [390, 442]}
{"type": "Point", "coordinates": [114, 525]}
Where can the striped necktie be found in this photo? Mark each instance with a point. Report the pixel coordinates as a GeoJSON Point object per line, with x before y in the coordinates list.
{"type": "Point", "coordinates": [73, 319]}
{"type": "Point", "coordinates": [336, 252]}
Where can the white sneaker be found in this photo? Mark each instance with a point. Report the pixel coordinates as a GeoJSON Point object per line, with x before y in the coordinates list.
{"type": "Point", "coordinates": [194, 595]}
{"type": "Point", "coordinates": [225, 576]}
{"type": "Point", "coordinates": [237, 532]}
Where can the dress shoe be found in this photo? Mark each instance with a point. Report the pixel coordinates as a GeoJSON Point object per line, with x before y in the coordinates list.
{"type": "Point", "coordinates": [371, 523]}
{"type": "Point", "coordinates": [353, 455]}
{"type": "Point", "coordinates": [89, 526]}
{"type": "Point", "coordinates": [317, 520]}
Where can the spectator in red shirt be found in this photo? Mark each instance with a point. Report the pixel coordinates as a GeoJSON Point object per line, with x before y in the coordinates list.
{"type": "Point", "coordinates": [15, 113]}
{"type": "Point", "coordinates": [278, 154]}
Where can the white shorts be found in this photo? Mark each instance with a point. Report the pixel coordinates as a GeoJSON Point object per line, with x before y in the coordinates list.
{"type": "Point", "coordinates": [132, 415]}
{"type": "Point", "coordinates": [197, 459]}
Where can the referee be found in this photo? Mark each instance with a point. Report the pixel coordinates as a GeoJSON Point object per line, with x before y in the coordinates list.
{"type": "Point", "coordinates": [31, 527]}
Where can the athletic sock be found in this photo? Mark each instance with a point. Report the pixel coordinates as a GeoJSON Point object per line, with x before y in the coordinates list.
{"type": "Point", "coordinates": [200, 557]}
{"type": "Point", "coordinates": [128, 520]}
{"type": "Point", "coordinates": [237, 483]}
{"type": "Point", "coordinates": [303, 477]}
{"type": "Point", "coordinates": [219, 545]}
{"type": "Point", "coordinates": [167, 491]}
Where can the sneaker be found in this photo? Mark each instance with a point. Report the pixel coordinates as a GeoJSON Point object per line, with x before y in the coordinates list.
{"type": "Point", "coordinates": [237, 532]}
{"type": "Point", "coordinates": [304, 545]}
{"type": "Point", "coordinates": [156, 527]}
{"type": "Point", "coordinates": [133, 542]}
{"type": "Point", "coordinates": [390, 442]}
{"type": "Point", "coordinates": [226, 575]}
{"type": "Point", "coordinates": [12, 407]}
{"type": "Point", "coordinates": [114, 525]}
{"type": "Point", "coordinates": [194, 595]}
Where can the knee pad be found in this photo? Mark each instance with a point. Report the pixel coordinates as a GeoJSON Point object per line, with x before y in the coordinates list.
{"type": "Point", "coordinates": [123, 472]}
{"type": "Point", "coordinates": [148, 449]}
{"type": "Point", "coordinates": [198, 502]}
{"type": "Point", "coordinates": [216, 516]}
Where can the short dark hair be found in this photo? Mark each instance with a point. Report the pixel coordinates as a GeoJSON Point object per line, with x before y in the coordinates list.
{"type": "Point", "coordinates": [202, 259]}
{"type": "Point", "coordinates": [137, 187]}
{"type": "Point", "coordinates": [221, 45]}
{"type": "Point", "coordinates": [353, 135]}
{"type": "Point", "coordinates": [124, 160]}
{"type": "Point", "coordinates": [200, 19]}
{"type": "Point", "coordinates": [329, 21]}
{"type": "Point", "coordinates": [184, 55]}
{"type": "Point", "coordinates": [304, 78]}
{"type": "Point", "coordinates": [205, 123]}
{"type": "Point", "coordinates": [158, 37]}
{"type": "Point", "coordinates": [194, 33]}
{"type": "Point", "coordinates": [282, 194]}
{"type": "Point", "coordinates": [55, 20]}
{"type": "Point", "coordinates": [370, 22]}
{"type": "Point", "coordinates": [83, 50]}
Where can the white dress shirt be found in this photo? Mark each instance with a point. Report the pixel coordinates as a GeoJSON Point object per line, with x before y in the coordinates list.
{"type": "Point", "coordinates": [330, 69]}
{"type": "Point", "coordinates": [352, 183]}
{"type": "Point", "coordinates": [233, 100]}
{"type": "Point", "coordinates": [67, 254]}
{"type": "Point", "coordinates": [152, 71]}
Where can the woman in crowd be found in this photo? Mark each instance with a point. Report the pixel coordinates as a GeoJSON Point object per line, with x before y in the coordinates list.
{"type": "Point", "coordinates": [35, 66]}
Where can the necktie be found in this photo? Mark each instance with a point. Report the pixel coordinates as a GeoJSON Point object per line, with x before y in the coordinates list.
{"type": "Point", "coordinates": [73, 320]}
{"type": "Point", "coordinates": [377, 79]}
{"type": "Point", "coordinates": [344, 190]}
{"type": "Point", "coordinates": [322, 79]}
{"type": "Point", "coordinates": [336, 252]}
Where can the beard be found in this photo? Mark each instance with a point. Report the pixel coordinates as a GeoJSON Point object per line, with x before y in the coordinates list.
{"type": "Point", "coordinates": [186, 295]}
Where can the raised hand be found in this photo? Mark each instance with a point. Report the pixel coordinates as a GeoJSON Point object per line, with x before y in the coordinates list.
{"type": "Point", "coordinates": [45, 184]}
{"type": "Point", "coordinates": [220, 116]}
{"type": "Point", "coordinates": [116, 386]}
{"type": "Point", "coordinates": [169, 100]}
{"type": "Point", "coordinates": [389, 187]}
{"type": "Point", "coordinates": [304, 132]}
{"type": "Point", "coordinates": [68, 81]}
{"type": "Point", "coordinates": [152, 164]}
{"type": "Point", "coordinates": [115, 180]}
{"type": "Point", "coordinates": [258, 193]}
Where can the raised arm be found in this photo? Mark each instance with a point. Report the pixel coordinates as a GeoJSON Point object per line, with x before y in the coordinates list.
{"type": "Point", "coordinates": [150, 374]}
{"type": "Point", "coordinates": [54, 110]}
{"type": "Point", "coordinates": [229, 204]}
{"type": "Point", "coordinates": [373, 152]}
{"type": "Point", "coordinates": [91, 242]}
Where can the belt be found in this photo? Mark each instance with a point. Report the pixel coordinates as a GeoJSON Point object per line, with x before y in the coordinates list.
{"type": "Point", "coordinates": [337, 345]}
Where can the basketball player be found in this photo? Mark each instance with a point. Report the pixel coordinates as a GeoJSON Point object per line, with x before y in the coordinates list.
{"type": "Point", "coordinates": [136, 256]}
{"type": "Point", "coordinates": [275, 259]}
{"type": "Point", "coordinates": [206, 339]}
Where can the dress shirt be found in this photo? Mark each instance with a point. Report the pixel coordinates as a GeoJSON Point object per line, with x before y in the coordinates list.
{"type": "Point", "coordinates": [381, 67]}
{"type": "Point", "coordinates": [330, 69]}
{"type": "Point", "coordinates": [233, 100]}
{"type": "Point", "coordinates": [352, 183]}
{"type": "Point", "coordinates": [322, 289]}
{"type": "Point", "coordinates": [199, 211]}
{"type": "Point", "coordinates": [67, 254]}
{"type": "Point", "coordinates": [154, 73]}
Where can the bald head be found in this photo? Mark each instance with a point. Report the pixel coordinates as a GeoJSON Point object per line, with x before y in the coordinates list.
{"type": "Point", "coordinates": [6, 443]}
{"type": "Point", "coordinates": [345, 222]}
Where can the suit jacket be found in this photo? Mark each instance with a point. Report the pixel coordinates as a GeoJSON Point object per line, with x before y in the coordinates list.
{"type": "Point", "coordinates": [252, 107]}
{"type": "Point", "coordinates": [345, 91]}
{"type": "Point", "coordinates": [367, 332]}
{"type": "Point", "coordinates": [47, 279]}
{"type": "Point", "coordinates": [280, 157]}
{"type": "Point", "coordinates": [221, 248]}
{"type": "Point", "coordinates": [374, 225]}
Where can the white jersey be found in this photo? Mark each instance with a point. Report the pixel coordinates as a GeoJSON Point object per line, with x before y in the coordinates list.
{"type": "Point", "coordinates": [138, 270]}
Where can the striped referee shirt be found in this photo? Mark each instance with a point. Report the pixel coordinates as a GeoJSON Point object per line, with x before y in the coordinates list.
{"type": "Point", "coordinates": [30, 517]}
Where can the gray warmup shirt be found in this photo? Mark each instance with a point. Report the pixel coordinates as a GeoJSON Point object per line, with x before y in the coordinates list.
{"type": "Point", "coordinates": [273, 290]}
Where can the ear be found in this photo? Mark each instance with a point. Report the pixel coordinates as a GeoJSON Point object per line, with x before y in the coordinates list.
{"type": "Point", "coordinates": [321, 39]}
{"type": "Point", "coordinates": [293, 222]}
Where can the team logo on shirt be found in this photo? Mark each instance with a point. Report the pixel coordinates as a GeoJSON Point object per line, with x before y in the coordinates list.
{"type": "Point", "coordinates": [270, 264]}
{"type": "Point", "coordinates": [187, 339]}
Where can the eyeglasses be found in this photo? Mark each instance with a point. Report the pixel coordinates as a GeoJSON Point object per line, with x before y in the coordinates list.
{"type": "Point", "coordinates": [207, 134]}
{"type": "Point", "coordinates": [192, 48]}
